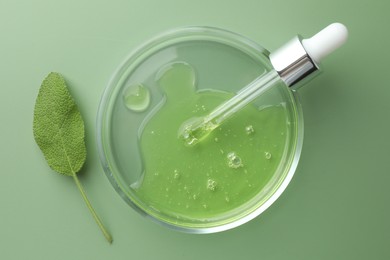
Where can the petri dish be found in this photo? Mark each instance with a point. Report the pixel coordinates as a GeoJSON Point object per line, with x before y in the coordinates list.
{"type": "Point", "coordinates": [221, 61]}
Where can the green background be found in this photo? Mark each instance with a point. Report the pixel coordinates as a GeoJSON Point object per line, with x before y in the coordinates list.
{"type": "Point", "coordinates": [337, 205]}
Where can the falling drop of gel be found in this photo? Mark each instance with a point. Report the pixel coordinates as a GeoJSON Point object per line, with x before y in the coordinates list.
{"type": "Point", "coordinates": [234, 161]}
{"type": "Point", "coordinates": [137, 97]}
{"type": "Point", "coordinates": [268, 155]}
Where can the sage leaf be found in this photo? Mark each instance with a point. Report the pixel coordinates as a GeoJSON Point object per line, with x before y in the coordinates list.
{"type": "Point", "coordinates": [59, 132]}
{"type": "Point", "coordinates": [58, 126]}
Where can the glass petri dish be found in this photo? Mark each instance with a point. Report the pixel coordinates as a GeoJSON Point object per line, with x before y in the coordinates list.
{"type": "Point", "coordinates": [223, 61]}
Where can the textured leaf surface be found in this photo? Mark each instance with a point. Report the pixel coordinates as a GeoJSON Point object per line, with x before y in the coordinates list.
{"type": "Point", "coordinates": [58, 126]}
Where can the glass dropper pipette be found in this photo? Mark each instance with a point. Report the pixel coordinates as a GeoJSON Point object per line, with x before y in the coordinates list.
{"type": "Point", "coordinates": [293, 63]}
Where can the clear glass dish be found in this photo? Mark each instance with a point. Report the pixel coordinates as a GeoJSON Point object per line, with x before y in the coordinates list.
{"type": "Point", "coordinates": [223, 61]}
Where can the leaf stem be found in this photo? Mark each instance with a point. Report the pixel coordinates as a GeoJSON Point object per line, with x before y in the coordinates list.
{"type": "Point", "coordinates": [95, 216]}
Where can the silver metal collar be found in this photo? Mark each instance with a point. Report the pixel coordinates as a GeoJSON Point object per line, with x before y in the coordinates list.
{"type": "Point", "coordinates": [293, 63]}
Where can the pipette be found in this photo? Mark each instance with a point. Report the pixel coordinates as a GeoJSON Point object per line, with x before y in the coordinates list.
{"type": "Point", "coordinates": [294, 63]}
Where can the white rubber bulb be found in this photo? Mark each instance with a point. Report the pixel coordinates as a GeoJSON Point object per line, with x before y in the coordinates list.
{"type": "Point", "coordinates": [325, 41]}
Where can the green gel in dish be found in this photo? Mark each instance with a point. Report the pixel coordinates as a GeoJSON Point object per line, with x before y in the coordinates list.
{"type": "Point", "coordinates": [224, 171]}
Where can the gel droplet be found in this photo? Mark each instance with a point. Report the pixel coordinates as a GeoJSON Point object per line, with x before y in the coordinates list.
{"type": "Point", "coordinates": [249, 129]}
{"type": "Point", "coordinates": [234, 161]}
{"type": "Point", "coordinates": [268, 155]}
{"type": "Point", "coordinates": [137, 97]}
{"type": "Point", "coordinates": [211, 184]}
